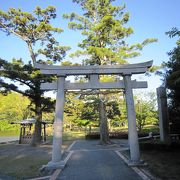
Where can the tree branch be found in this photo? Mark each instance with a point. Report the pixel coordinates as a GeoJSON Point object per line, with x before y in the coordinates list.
{"type": "Point", "coordinates": [12, 87]}
{"type": "Point", "coordinates": [27, 84]}
{"type": "Point", "coordinates": [13, 32]}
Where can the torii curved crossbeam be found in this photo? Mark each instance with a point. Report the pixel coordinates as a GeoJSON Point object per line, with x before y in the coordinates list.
{"type": "Point", "coordinates": [99, 69]}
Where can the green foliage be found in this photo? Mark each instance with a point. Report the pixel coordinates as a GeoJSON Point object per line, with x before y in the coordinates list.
{"type": "Point", "coordinates": [90, 109]}
{"type": "Point", "coordinates": [25, 74]}
{"type": "Point", "coordinates": [146, 112]}
{"type": "Point", "coordinates": [14, 107]}
{"type": "Point", "coordinates": [105, 31]}
{"type": "Point", "coordinates": [72, 110]}
{"type": "Point", "coordinates": [113, 110]}
{"type": "Point", "coordinates": [17, 74]}
{"type": "Point", "coordinates": [6, 128]}
{"type": "Point", "coordinates": [83, 111]}
{"type": "Point", "coordinates": [104, 27]}
{"type": "Point", "coordinates": [172, 78]}
{"type": "Point", "coordinates": [69, 63]}
{"type": "Point", "coordinates": [35, 29]}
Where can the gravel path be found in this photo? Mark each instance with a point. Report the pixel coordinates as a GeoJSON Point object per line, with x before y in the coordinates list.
{"type": "Point", "coordinates": [8, 139]}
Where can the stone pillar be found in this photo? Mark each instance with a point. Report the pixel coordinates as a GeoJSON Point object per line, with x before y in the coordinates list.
{"type": "Point", "coordinates": [163, 114]}
{"type": "Point", "coordinates": [132, 130]}
{"type": "Point", "coordinates": [58, 126]}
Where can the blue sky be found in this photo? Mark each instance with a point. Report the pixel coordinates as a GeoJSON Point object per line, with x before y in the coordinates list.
{"type": "Point", "coordinates": [148, 18]}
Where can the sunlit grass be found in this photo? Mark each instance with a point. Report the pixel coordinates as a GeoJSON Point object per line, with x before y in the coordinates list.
{"type": "Point", "coordinates": [9, 133]}
{"type": "Point", "coordinates": [73, 135]}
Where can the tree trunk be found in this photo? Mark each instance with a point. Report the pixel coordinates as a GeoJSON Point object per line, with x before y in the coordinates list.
{"type": "Point", "coordinates": [36, 139]}
{"type": "Point", "coordinates": [104, 133]}
{"type": "Point", "coordinates": [89, 128]}
{"type": "Point", "coordinates": [33, 57]}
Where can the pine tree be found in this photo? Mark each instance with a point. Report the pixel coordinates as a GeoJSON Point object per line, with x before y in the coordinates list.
{"type": "Point", "coordinates": [104, 27]}
{"type": "Point", "coordinates": [36, 31]}
{"type": "Point", "coordinates": [15, 74]}
{"type": "Point", "coordinates": [172, 81]}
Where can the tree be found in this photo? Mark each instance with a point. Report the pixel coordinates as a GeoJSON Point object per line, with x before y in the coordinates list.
{"type": "Point", "coordinates": [72, 109]}
{"type": "Point", "coordinates": [13, 108]}
{"type": "Point", "coordinates": [36, 31]}
{"type": "Point", "coordinates": [104, 27]}
{"type": "Point", "coordinates": [89, 112]}
{"type": "Point", "coordinates": [25, 74]}
{"type": "Point", "coordinates": [113, 111]}
{"type": "Point", "coordinates": [105, 31]}
{"type": "Point", "coordinates": [146, 112]}
{"type": "Point", "coordinates": [172, 81]}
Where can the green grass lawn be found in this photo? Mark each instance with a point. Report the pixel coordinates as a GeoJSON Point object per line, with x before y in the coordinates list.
{"type": "Point", "coordinates": [9, 133]}
{"type": "Point", "coordinates": [73, 135]}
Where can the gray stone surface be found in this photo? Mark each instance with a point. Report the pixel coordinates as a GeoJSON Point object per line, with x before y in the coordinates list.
{"type": "Point", "coordinates": [138, 68]}
{"type": "Point", "coordinates": [163, 114]}
{"type": "Point", "coordinates": [91, 161]}
{"type": "Point", "coordinates": [94, 85]}
{"type": "Point", "coordinates": [131, 115]}
{"type": "Point", "coordinates": [4, 139]}
{"type": "Point", "coordinates": [87, 145]}
{"type": "Point", "coordinates": [58, 123]}
{"type": "Point", "coordinates": [5, 177]}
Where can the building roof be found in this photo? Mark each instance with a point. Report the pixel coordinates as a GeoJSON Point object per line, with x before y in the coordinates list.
{"type": "Point", "coordinates": [30, 121]}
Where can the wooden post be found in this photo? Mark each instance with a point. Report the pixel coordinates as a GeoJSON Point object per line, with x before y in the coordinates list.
{"type": "Point", "coordinates": [132, 130]}
{"type": "Point", "coordinates": [24, 130]}
{"type": "Point", "coordinates": [44, 132]}
{"type": "Point", "coordinates": [20, 136]}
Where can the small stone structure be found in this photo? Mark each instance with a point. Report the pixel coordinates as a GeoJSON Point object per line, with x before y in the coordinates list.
{"type": "Point", "coordinates": [26, 131]}
{"type": "Point", "coordinates": [126, 71]}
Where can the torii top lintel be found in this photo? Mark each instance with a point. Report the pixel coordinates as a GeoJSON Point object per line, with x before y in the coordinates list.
{"type": "Point", "coordinates": [126, 69]}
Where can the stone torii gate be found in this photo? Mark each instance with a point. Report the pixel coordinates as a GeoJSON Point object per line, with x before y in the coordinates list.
{"type": "Point", "coordinates": [93, 72]}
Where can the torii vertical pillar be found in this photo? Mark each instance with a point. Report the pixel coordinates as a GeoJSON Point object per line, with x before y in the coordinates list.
{"type": "Point", "coordinates": [131, 115]}
{"type": "Point", "coordinates": [58, 126]}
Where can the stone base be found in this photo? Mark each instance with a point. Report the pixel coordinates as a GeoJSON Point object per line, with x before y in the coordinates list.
{"type": "Point", "coordinates": [136, 163]}
{"type": "Point", "coordinates": [53, 165]}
